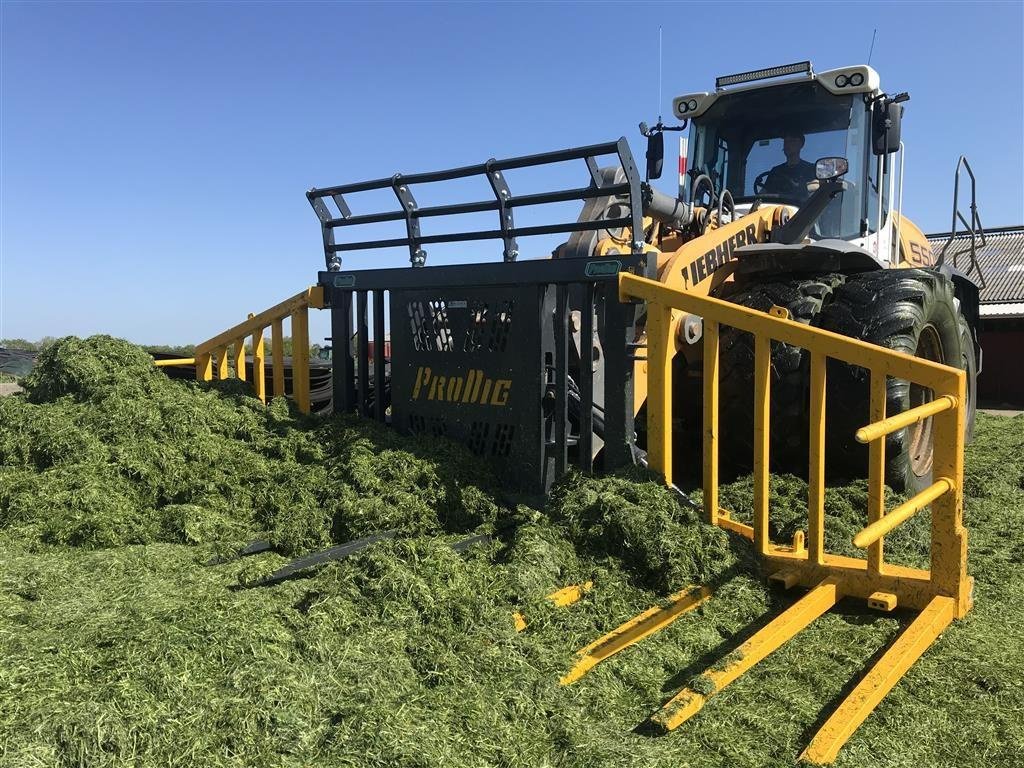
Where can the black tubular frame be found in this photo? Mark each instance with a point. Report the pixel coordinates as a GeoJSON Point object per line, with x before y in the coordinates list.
{"type": "Point", "coordinates": [973, 227]}
{"type": "Point", "coordinates": [364, 379]}
{"type": "Point", "coordinates": [503, 203]}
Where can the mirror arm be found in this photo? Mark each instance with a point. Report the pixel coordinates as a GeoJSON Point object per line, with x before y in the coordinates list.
{"type": "Point", "coordinates": [798, 227]}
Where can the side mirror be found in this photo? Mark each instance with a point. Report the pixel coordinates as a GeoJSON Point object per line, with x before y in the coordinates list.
{"type": "Point", "coordinates": [655, 154]}
{"type": "Point", "coordinates": [886, 128]}
{"type": "Point", "coordinates": [828, 168]}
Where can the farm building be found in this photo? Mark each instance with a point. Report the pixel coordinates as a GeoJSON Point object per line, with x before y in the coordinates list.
{"type": "Point", "coordinates": [1001, 262]}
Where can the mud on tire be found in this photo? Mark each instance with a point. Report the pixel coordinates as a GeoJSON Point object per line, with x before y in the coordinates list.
{"type": "Point", "coordinates": [911, 310]}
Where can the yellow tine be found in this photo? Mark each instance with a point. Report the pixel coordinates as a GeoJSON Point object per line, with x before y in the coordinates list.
{"type": "Point", "coordinates": [782, 628]}
{"type": "Point", "coordinates": [636, 629]}
{"type": "Point", "coordinates": [571, 594]}
{"type": "Point", "coordinates": [560, 598]}
{"type": "Point", "coordinates": [901, 655]}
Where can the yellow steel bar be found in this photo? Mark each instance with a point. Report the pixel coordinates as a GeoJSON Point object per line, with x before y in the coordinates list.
{"type": "Point", "coordinates": [949, 538]}
{"type": "Point", "coordinates": [782, 628]}
{"type": "Point", "coordinates": [636, 629]}
{"type": "Point", "coordinates": [222, 363]}
{"type": "Point", "coordinates": [936, 376]}
{"type": "Point", "coordinates": [277, 355]}
{"type": "Point", "coordinates": [259, 365]}
{"type": "Point", "coordinates": [902, 513]}
{"type": "Point", "coordinates": [560, 598]}
{"type": "Point", "coordinates": [660, 351]}
{"type": "Point", "coordinates": [239, 360]}
{"type": "Point", "coordinates": [876, 469]}
{"type": "Point", "coordinates": [900, 656]}
{"type": "Point", "coordinates": [816, 468]}
{"type": "Point", "coordinates": [300, 358]}
{"type": "Point", "coordinates": [905, 419]}
{"type": "Point", "coordinates": [711, 420]}
{"type": "Point", "coordinates": [174, 361]}
{"type": "Point", "coordinates": [204, 367]}
{"type": "Point", "coordinates": [311, 297]}
{"type": "Point", "coordinates": [762, 403]}
{"type": "Point", "coordinates": [726, 522]}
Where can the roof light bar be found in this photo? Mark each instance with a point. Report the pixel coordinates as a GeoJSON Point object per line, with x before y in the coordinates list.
{"type": "Point", "coordinates": [763, 74]}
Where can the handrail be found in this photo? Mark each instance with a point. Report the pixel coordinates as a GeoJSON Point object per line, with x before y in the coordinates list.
{"type": "Point", "coordinates": [974, 227]}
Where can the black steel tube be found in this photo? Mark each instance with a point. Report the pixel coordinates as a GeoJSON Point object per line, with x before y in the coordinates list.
{"type": "Point", "coordinates": [540, 198]}
{"type": "Point", "coordinates": [491, 234]}
{"type": "Point", "coordinates": [379, 345]}
{"type": "Point", "coordinates": [362, 352]}
{"type": "Point", "coordinates": [526, 161]}
{"type": "Point", "coordinates": [586, 380]}
{"type": "Point", "coordinates": [341, 360]}
{"type": "Point", "coordinates": [561, 326]}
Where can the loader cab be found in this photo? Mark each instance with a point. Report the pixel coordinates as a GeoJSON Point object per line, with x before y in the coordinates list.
{"type": "Point", "coordinates": [742, 136]}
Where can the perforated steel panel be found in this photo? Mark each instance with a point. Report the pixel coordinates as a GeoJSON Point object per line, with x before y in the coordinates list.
{"type": "Point", "coordinates": [470, 364]}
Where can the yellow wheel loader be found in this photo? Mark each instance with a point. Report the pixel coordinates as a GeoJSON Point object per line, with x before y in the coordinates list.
{"type": "Point", "coordinates": [789, 197]}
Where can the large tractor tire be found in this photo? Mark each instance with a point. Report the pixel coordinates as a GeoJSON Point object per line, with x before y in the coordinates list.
{"type": "Point", "coordinates": [911, 310]}
{"type": "Point", "coordinates": [804, 297]}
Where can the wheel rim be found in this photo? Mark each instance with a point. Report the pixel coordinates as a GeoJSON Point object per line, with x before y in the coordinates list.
{"type": "Point", "coordinates": [929, 347]}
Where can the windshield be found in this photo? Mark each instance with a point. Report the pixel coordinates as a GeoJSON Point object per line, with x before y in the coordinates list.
{"type": "Point", "coordinates": [762, 144]}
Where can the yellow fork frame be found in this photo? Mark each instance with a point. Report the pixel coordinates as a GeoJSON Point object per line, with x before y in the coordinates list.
{"type": "Point", "coordinates": [941, 593]}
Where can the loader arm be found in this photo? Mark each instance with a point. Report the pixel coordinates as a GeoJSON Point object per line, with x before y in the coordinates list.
{"type": "Point", "coordinates": [701, 265]}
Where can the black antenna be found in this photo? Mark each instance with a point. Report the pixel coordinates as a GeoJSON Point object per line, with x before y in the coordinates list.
{"type": "Point", "coordinates": [871, 50]}
{"type": "Point", "coordinates": [659, 74]}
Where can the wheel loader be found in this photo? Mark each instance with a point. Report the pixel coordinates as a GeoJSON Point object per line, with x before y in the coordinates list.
{"type": "Point", "coordinates": [790, 187]}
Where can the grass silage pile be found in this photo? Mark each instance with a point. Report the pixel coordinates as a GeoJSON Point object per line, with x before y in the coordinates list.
{"type": "Point", "coordinates": [118, 646]}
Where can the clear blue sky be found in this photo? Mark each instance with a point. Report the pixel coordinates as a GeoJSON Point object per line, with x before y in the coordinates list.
{"type": "Point", "coordinates": [155, 156]}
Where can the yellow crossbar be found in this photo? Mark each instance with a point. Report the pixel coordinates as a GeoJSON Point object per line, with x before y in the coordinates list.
{"type": "Point", "coordinates": [175, 361]}
{"type": "Point", "coordinates": [782, 628]}
{"type": "Point", "coordinates": [636, 629]}
{"type": "Point", "coordinates": [872, 533]}
{"type": "Point", "coordinates": [905, 419]}
{"type": "Point", "coordinates": [900, 657]}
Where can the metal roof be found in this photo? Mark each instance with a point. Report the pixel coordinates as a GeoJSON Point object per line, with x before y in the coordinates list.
{"type": "Point", "coordinates": [1001, 260]}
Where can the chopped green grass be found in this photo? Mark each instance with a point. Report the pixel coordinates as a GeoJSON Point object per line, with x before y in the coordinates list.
{"type": "Point", "coordinates": [118, 647]}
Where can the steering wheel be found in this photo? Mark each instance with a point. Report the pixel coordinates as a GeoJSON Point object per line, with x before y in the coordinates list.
{"type": "Point", "coordinates": [759, 182]}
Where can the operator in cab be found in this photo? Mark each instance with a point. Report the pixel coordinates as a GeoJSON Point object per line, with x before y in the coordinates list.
{"type": "Point", "coordinates": [791, 177]}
